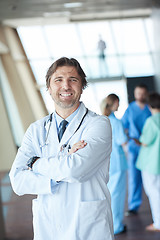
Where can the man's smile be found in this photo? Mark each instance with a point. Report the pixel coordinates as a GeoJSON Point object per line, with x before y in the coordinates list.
{"type": "Point", "coordinates": [66, 94]}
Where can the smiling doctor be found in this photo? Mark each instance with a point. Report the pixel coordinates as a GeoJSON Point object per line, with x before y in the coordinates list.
{"type": "Point", "coordinates": [64, 159]}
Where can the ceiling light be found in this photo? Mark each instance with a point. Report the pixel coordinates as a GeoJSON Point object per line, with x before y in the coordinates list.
{"type": "Point", "coordinates": [72, 5]}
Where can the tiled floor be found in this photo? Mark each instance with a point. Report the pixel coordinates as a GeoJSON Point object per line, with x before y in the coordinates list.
{"type": "Point", "coordinates": [136, 225]}
{"type": "Point", "coordinates": [16, 212]}
{"type": "Point", "coordinates": [18, 217]}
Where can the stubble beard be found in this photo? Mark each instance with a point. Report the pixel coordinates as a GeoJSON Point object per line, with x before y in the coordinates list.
{"type": "Point", "coordinates": [142, 100]}
{"type": "Point", "coordinates": [66, 104]}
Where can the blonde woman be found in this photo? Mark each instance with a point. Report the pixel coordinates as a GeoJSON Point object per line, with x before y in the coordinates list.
{"type": "Point", "coordinates": [118, 163]}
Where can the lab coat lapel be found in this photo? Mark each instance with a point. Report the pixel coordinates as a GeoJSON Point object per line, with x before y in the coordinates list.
{"type": "Point", "coordinates": [73, 125]}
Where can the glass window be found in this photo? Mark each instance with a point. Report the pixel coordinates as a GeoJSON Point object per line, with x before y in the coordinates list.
{"type": "Point", "coordinates": [40, 68]}
{"type": "Point", "coordinates": [63, 40]}
{"type": "Point", "coordinates": [90, 34]}
{"type": "Point", "coordinates": [114, 66]}
{"type": "Point", "coordinates": [140, 65]}
{"type": "Point", "coordinates": [129, 50]}
{"type": "Point", "coordinates": [149, 31]}
{"type": "Point", "coordinates": [130, 36]}
{"type": "Point", "coordinates": [34, 42]}
{"type": "Point", "coordinates": [126, 40]}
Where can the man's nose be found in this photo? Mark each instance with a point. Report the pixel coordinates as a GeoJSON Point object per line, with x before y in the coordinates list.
{"type": "Point", "coordinates": [66, 84]}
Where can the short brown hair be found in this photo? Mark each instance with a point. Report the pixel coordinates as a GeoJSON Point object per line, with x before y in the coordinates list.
{"type": "Point", "coordinates": [142, 85]}
{"type": "Point", "coordinates": [64, 61]}
{"type": "Point", "coordinates": [154, 100]}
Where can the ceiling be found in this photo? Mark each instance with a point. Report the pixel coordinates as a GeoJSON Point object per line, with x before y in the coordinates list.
{"type": "Point", "coordinates": [19, 12]}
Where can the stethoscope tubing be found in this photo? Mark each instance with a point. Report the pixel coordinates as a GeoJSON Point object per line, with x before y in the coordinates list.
{"type": "Point", "coordinates": [50, 122]}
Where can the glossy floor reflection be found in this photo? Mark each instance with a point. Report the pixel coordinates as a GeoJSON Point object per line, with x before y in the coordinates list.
{"type": "Point", "coordinates": [136, 225]}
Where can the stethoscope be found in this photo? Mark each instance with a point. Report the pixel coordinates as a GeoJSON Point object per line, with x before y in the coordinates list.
{"type": "Point", "coordinates": [47, 126]}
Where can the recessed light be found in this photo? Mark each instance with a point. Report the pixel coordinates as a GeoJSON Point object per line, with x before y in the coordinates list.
{"type": "Point", "coordinates": [72, 5]}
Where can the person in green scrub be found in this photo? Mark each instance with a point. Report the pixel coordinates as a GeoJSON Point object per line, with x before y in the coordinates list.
{"type": "Point", "coordinates": [148, 160]}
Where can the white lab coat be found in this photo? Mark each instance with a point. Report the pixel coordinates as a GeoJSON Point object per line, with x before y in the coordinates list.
{"type": "Point", "coordinates": [78, 208]}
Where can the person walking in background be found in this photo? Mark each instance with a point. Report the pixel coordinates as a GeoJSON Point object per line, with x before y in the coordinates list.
{"type": "Point", "coordinates": [64, 159]}
{"type": "Point", "coordinates": [101, 48]}
{"type": "Point", "coordinates": [149, 160]}
{"type": "Point", "coordinates": [133, 121]}
{"type": "Point", "coordinates": [118, 163]}
{"type": "Point", "coordinates": [103, 68]}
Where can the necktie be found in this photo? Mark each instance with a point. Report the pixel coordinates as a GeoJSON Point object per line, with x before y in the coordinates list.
{"type": "Point", "coordinates": [62, 128]}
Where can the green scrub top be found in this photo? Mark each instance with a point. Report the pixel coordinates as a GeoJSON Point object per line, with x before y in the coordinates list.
{"type": "Point", "coordinates": [149, 157]}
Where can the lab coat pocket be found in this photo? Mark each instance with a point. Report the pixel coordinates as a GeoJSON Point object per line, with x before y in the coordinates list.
{"type": "Point", "coordinates": [93, 220]}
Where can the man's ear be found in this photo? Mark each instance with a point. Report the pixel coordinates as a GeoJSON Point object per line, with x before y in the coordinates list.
{"type": "Point", "coordinates": [49, 90]}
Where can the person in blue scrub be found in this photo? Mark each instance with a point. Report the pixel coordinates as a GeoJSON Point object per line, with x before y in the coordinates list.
{"type": "Point", "coordinates": [133, 121]}
{"type": "Point", "coordinates": [118, 164]}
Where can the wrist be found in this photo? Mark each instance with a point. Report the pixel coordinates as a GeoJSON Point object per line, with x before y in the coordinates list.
{"type": "Point", "coordinates": [31, 161]}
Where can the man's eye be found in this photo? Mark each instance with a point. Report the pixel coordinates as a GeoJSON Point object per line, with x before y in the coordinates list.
{"type": "Point", "coordinates": [58, 80]}
{"type": "Point", "coordinates": [73, 80]}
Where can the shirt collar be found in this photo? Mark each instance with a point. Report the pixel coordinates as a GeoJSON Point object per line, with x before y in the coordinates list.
{"type": "Point", "coordinates": [68, 119]}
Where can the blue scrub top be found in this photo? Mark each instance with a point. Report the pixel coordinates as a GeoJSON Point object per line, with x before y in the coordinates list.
{"type": "Point", "coordinates": [118, 160]}
{"type": "Point", "coordinates": [133, 120]}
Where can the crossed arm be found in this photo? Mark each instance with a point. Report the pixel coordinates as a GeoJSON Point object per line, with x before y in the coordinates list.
{"type": "Point", "coordinates": [37, 183]}
{"type": "Point", "coordinates": [83, 161]}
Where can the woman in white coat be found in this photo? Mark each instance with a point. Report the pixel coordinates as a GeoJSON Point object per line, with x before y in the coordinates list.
{"type": "Point", "coordinates": [70, 174]}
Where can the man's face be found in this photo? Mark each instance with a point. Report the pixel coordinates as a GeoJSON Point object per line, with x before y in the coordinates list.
{"type": "Point", "coordinates": [65, 87]}
{"type": "Point", "coordinates": [140, 94]}
{"type": "Point", "coordinates": [115, 106]}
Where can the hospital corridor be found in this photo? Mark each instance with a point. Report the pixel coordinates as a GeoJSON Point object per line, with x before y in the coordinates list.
{"type": "Point", "coordinates": [79, 120]}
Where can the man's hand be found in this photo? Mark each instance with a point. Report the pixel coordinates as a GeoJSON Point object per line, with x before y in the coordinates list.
{"type": "Point", "coordinates": [77, 146]}
{"type": "Point", "coordinates": [137, 141]}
